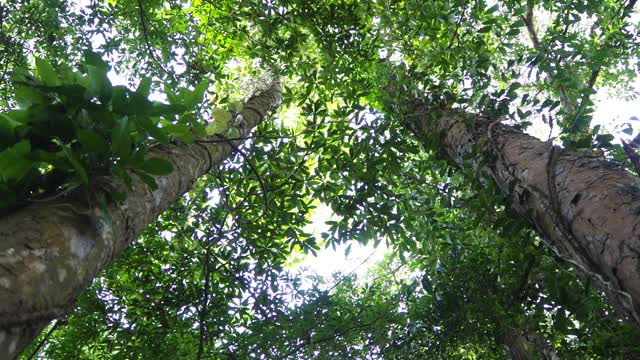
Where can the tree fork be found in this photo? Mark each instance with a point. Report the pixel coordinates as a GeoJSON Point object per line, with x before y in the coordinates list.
{"type": "Point", "coordinates": [585, 208]}
{"type": "Point", "coordinates": [49, 252]}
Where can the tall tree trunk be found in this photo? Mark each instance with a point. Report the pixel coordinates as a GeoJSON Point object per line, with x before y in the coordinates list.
{"type": "Point", "coordinates": [516, 345]}
{"type": "Point", "coordinates": [585, 208]}
{"type": "Point", "coordinates": [50, 252]}
{"type": "Point", "coordinates": [521, 346]}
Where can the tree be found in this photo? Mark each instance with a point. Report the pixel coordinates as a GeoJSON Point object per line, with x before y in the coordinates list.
{"type": "Point", "coordinates": [69, 241]}
{"type": "Point", "coordinates": [337, 47]}
{"type": "Point", "coordinates": [578, 223]}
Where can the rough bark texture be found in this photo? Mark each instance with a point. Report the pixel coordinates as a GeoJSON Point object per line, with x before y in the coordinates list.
{"type": "Point", "coordinates": [516, 345]}
{"type": "Point", "coordinates": [585, 208]}
{"type": "Point", "coordinates": [50, 252]}
{"type": "Point", "coordinates": [523, 346]}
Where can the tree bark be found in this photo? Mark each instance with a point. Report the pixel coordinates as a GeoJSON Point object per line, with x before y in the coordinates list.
{"type": "Point", "coordinates": [583, 207]}
{"type": "Point", "coordinates": [516, 345]}
{"type": "Point", "coordinates": [521, 346]}
{"type": "Point", "coordinates": [50, 252]}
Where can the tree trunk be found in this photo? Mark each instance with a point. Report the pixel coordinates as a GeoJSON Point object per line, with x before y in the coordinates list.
{"type": "Point", "coordinates": [516, 345]}
{"type": "Point", "coordinates": [583, 207]}
{"type": "Point", "coordinates": [521, 346]}
{"type": "Point", "coordinates": [50, 252]}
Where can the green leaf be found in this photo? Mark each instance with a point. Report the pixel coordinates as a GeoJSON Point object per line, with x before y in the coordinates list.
{"type": "Point", "coordinates": [146, 124]}
{"type": "Point", "coordinates": [159, 109]}
{"type": "Point", "coordinates": [493, 9]}
{"type": "Point", "coordinates": [514, 86]}
{"type": "Point", "coordinates": [149, 180]}
{"type": "Point", "coordinates": [94, 59]}
{"type": "Point", "coordinates": [513, 32]}
{"type": "Point", "coordinates": [14, 162]}
{"type": "Point", "coordinates": [74, 93]}
{"type": "Point", "coordinates": [604, 140]}
{"type": "Point", "coordinates": [92, 142]}
{"type": "Point", "coordinates": [144, 87]}
{"type": "Point", "coordinates": [120, 137]}
{"type": "Point", "coordinates": [122, 174]}
{"type": "Point", "coordinates": [157, 166]}
{"type": "Point", "coordinates": [99, 84]}
{"type": "Point", "coordinates": [199, 129]}
{"type": "Point", "coordinates": [177, 130]}
{"type": "Point", "coordinates": [25, 96]}
{"type": "Point", "coordinates": [221, 118]}
{"type": "Point", "coordinates": [518, 23]}
{"type": "Point", "coordinates": [195, 97]}
{"type": "Point", "coordinates": [583, 121]}
{"type": "Point", "coordinates": [215, 127]}
{"type": "Point", "coordinates": [127, 102]}
{"type": "Point", "coordinates": [520, 11]}
{"type": "Point", "coordinates": [74, 161]}
{"type": "Point", "coordinates": [7, 130]}
{"type": "Point", "coordinates": [172, 96]}
{"type": "Point", "coordinates": [46, 72]}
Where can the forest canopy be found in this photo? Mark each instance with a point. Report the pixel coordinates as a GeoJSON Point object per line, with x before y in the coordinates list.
{"type": "Point", "coordinates": [161, 163]}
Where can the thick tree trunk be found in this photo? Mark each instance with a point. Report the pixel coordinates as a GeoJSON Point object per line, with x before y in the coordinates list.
{"type": "Point", "coordinates": [516, 345]}
{"type": "Point", "coordinates": [50, 252]}
{"type": "Point", "coordinates": [585, 208]}
{"type": "Point", "coordinates": [519, 346]}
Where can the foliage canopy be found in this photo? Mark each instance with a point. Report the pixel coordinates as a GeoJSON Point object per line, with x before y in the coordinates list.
{"type": "Point", "coordinates": [208, 279]}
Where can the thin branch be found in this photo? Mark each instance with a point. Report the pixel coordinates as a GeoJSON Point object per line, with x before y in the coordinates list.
{"type": "Point", "coordinates": [528, 21]}
{"type": "Point", "coordinates": [205, 304]}
{"type": "Point", "coordinates": [531, 29]}
{"type": "Point", "coordinates": [328, 338]}
{"type": "Point", "coordinates": [352, 271]}
{"type": "Point", "coordinates": [45, 339]}
{"type": "Point", "coordinates": [263, 188]}
{"type": "Point", "coordinates": [456, 31]}
{"type": "Point", "coordinates": [252, 137]}
{"type": "Point", "coordinates": [145, 32]}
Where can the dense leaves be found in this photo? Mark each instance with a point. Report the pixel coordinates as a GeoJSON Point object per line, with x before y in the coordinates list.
{"type": "Point", "coordinates": [463, 278]}
{"type": "Point", "coordinates": [73, 130]}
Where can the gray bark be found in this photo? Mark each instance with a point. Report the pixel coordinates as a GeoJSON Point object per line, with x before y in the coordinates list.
{"type": "Point", "coordinates": [516, 345]}
{"type": "Point", "coordinates": [526, 346]}
{"type": "Point", "coordinates": [585, 208]}
{"type": "Point", "coordinates": [50, 252]}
